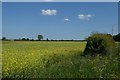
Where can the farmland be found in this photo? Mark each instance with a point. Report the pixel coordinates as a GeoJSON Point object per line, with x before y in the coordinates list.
{"type": "Point", "coordinates": [35, 59]}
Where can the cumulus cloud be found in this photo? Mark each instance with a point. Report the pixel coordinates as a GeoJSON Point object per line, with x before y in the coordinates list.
{"type": "Point", "coordinates": [66, 19]}
{"type": "Point", "coordinates": [85, 17]}
{"type": "Point", "coordinates": [48, 12]}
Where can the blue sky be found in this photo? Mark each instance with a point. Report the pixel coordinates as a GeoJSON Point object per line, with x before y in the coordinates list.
{"type": "Point", "coordinates": [0, 20]}
{"type": "Point", "coordinates": [58, 20]}
{"type": "Point", "coordinates": [60, 0]}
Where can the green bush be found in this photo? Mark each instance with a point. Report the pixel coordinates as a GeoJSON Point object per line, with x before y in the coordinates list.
{"type": "Point", "coordinates": [99, 43]}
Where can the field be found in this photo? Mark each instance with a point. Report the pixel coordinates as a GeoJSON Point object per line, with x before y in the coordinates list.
{"type": "Point", "coordinates": [27, 59]}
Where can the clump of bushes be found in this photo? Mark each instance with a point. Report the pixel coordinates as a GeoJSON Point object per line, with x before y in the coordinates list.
{"type": "Point", "coordinates": [99, 43]}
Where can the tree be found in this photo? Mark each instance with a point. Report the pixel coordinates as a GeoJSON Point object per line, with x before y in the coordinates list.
{"type": "Point", "coordinates": [4, 38]}
{"type": "Point", "coordinates": [47, 39]}
{"type": "Point", "coordinates": [32, 40]}
{"type": "Point", "coordinates": [23, 39]}
{"type": "Point", "coordinates": [40, 37]}
{"type": "Point", "coordinates": [27, 39]}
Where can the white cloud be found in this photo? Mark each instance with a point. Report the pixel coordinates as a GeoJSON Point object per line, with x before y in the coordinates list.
{"type": "Point", "coordinates": [85, 17]}
{"type": "Point", "coordinates": [66, 19]}
{"type": "Point", "coordinates": [48, 12]}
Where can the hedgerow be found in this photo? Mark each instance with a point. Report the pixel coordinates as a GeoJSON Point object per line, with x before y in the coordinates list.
{"type": "Point", "coordinates": [99, 43]}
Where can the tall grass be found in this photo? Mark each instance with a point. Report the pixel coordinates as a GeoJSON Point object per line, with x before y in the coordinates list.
{"type": "Point", "coordinates": [55, 60]}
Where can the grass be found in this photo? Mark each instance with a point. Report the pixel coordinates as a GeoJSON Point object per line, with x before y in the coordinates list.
{"type": "Point", "coordinates": [55, 60]}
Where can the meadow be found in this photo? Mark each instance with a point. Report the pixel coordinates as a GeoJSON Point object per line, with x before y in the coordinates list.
{"type": "Point", "coordinates": [35, 59]}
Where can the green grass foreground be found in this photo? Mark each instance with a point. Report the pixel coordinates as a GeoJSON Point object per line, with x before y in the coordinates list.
{"type": "Point", "coordinates": [55, 60]}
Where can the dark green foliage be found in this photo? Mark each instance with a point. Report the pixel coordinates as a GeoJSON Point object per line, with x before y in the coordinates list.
{"type": "Point", "coordinates": [32, 40]}
{"type": "Point", "coordinates": [4, 38]}
{"type": "Point", "coordinates": [116, 37]}
{"type": "Point", "coordinates": [23, 39]}
{"type": "Point", "coordinates": [40, 37]}
{"type": "Point", "coordinates": [47, 39]}
{"type": "Point", "coordinates": [27, 39]}
{"type": "Point", "coordinates": [99, 43]}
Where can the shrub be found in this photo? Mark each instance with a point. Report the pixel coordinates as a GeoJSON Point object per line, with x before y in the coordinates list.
{"type": "Point", "coordinates": [116, 37]}
{"type": "Point", "coordinates": [99, 43]}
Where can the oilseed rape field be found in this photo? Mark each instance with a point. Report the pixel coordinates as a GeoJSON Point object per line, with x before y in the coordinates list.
{"type": "Point", "coordinates": [47, 59]}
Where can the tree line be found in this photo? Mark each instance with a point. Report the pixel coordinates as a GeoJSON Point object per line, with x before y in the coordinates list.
{"type": "Point", "coordinates": [40, 38]}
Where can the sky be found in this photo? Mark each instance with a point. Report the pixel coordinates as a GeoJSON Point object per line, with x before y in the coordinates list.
{"type": "Point", "coordinates": [0, 20]}
{"type": "Point", "coordinates": [58, 20]}
{"type": "Point", "coordinates": [60, 0]}
{"type": "Point", "coordinates": [118, 18]}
